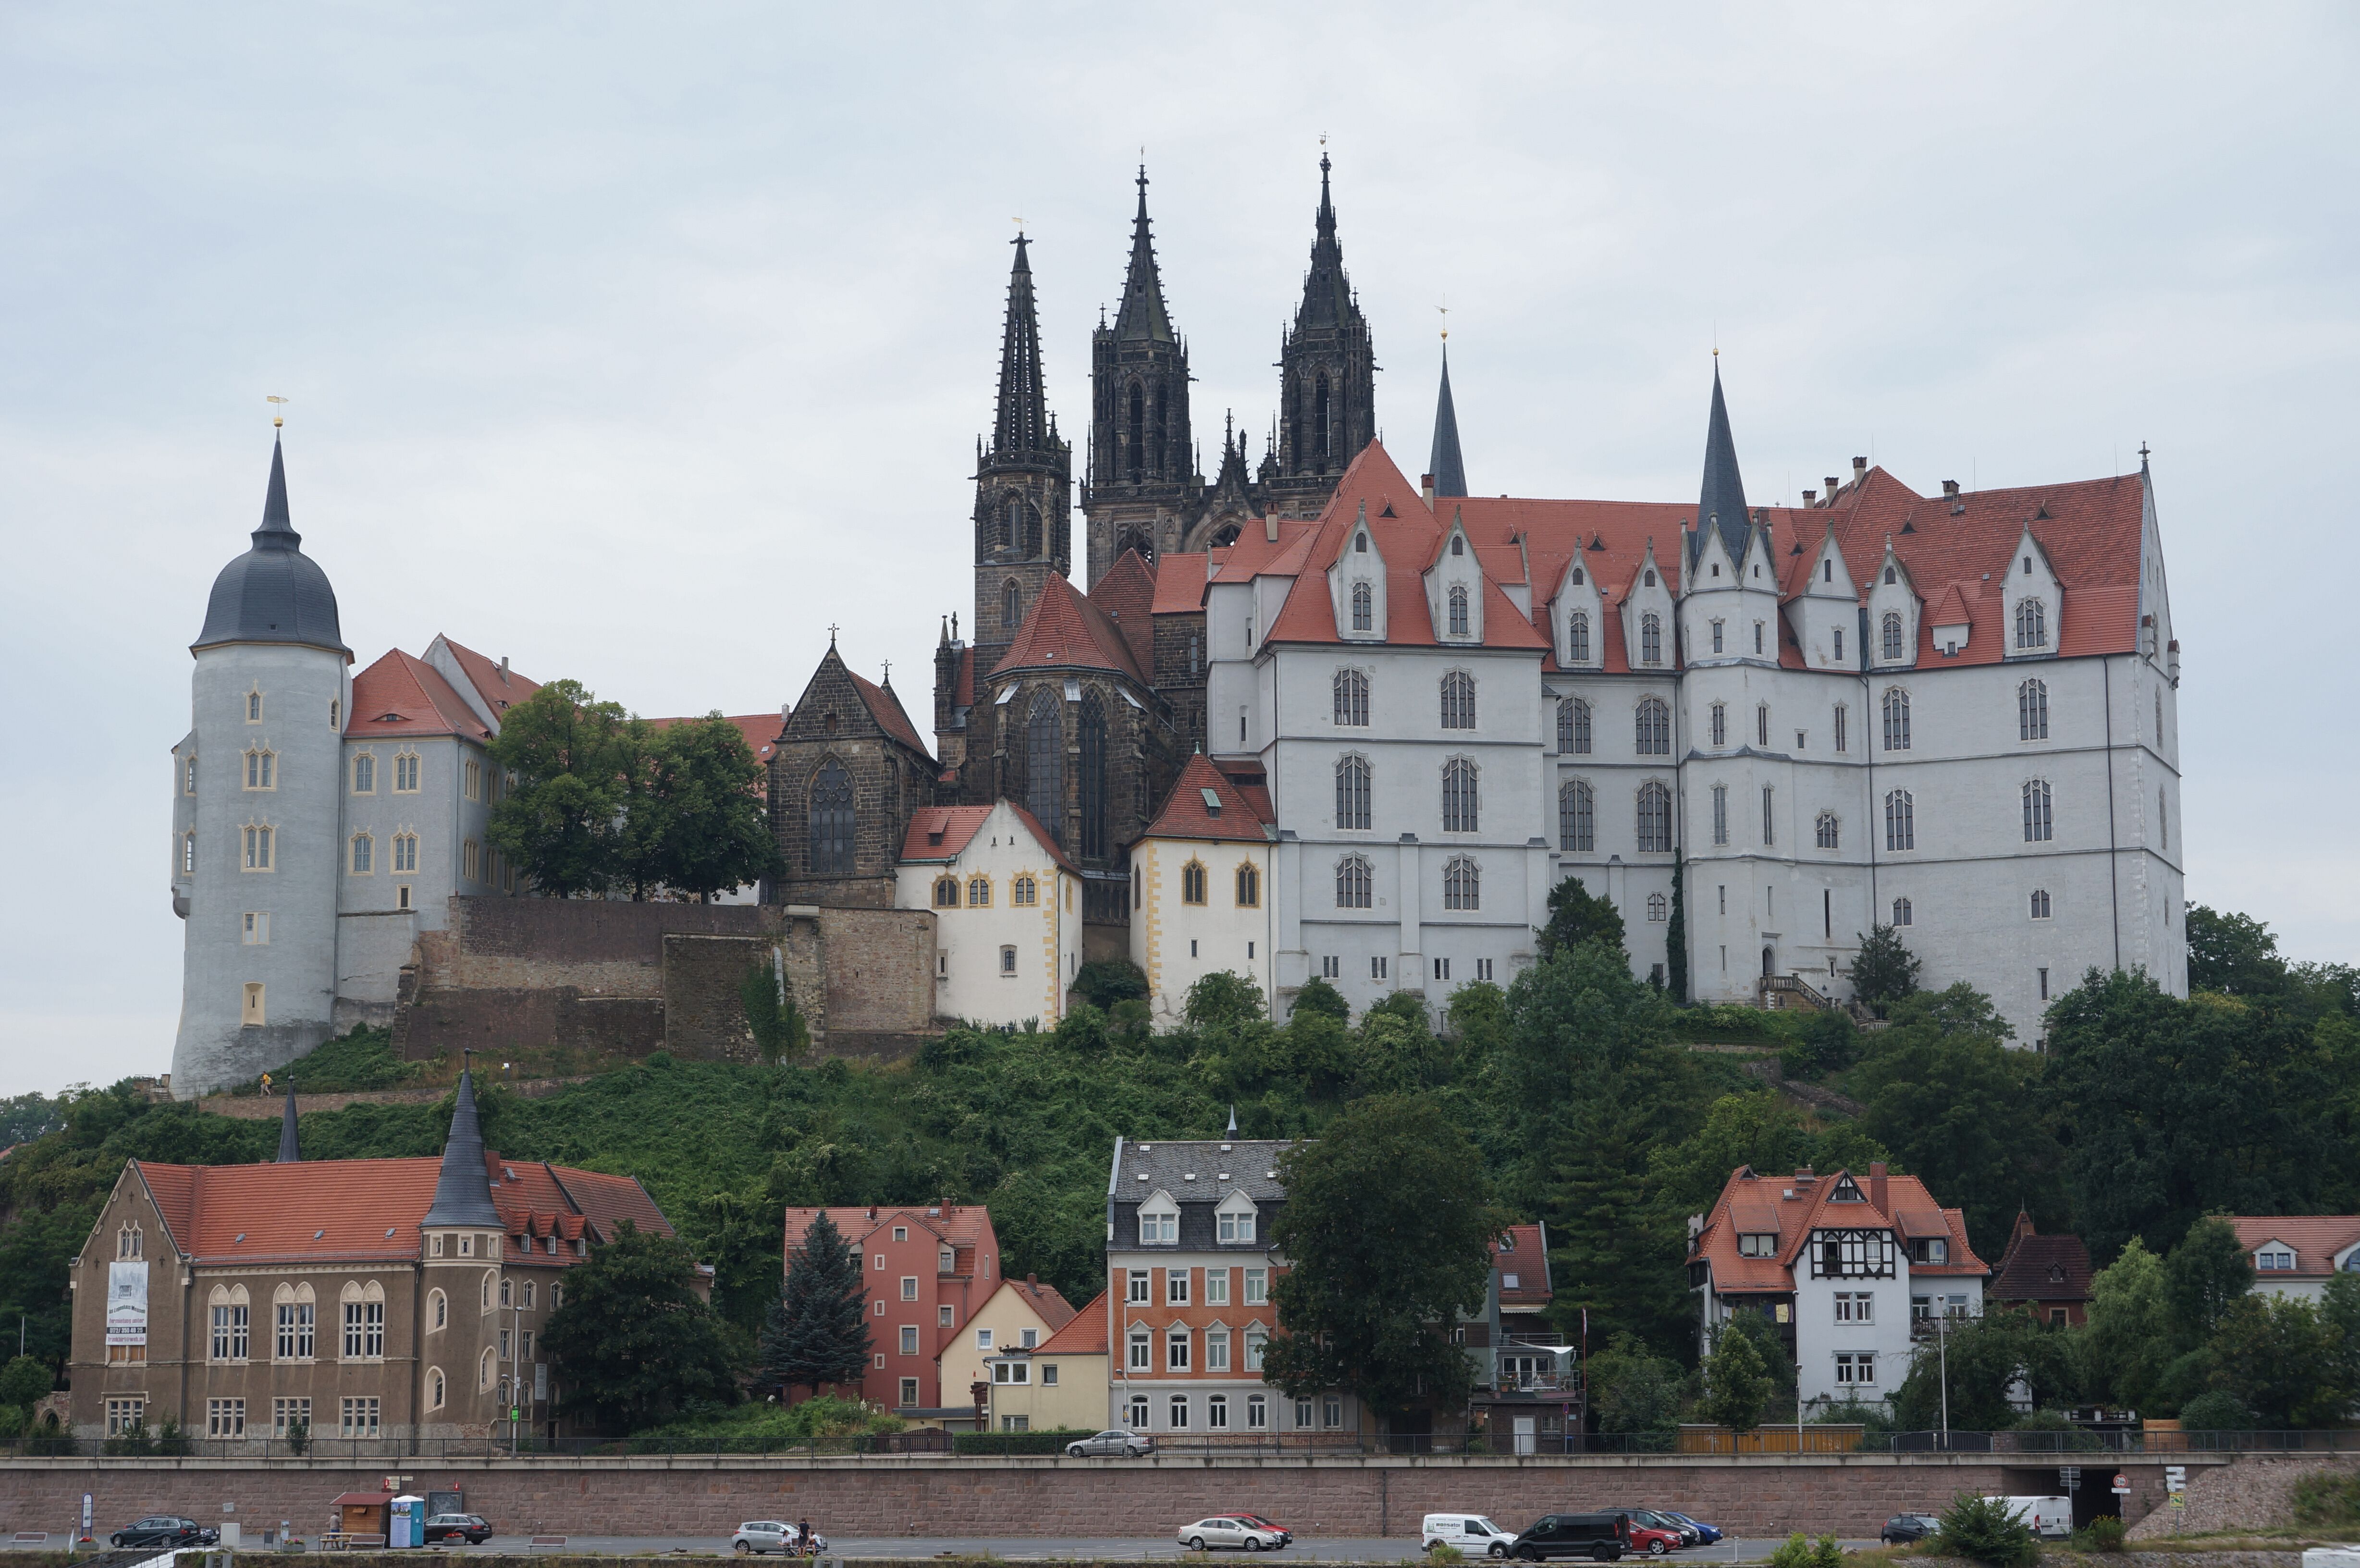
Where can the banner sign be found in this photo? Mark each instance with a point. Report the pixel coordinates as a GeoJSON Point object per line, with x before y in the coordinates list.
{"type": "Point", "coordinates": [126, 1302]}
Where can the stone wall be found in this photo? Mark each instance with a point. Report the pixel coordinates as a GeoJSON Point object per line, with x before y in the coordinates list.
{"type": "Point", "coordinates": [1847, 1494]}
{"type": "Point", "coordinates": [628, 979]}
{"type": "Point", "coordinates": [2256, 1493]}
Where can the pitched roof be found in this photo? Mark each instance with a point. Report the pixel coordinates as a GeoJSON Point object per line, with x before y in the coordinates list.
{"type": "Point", "coordinates": [1250, 1165]}
{"type": "Point", "coordinates": [1951, 610]}
{"type": "Point", "coordinates": [941, 833]}
{"type": "Point", "coordinates": [1721, 501]}
{"type": "Point", "coordinates": [1050, 1306]}
{"type": "Point", "coordinates": [885, 707]}
{"type": "Point", "coordinates": [1180, 579]}
{"type": "Point", "coordinates": [761, 730]}
{"type": "Point", "coordinates": [1186, 814]}
{"type": "Point", "coordinates": [1064, 630]}
{"type": "Point", "coordinates": [1799, 1203]}
{"type": "Point", "coordinates": [400, 695]}
{"type": "Point", "coordinates": [1126, 593]}
{"type": "Point", "coordinates": [1522, 1255]}
{"type": "Point", "coordinates": [2037, 1268]}
{"type": "Point", "coordinates": [1084, 1333]}
{"type": "Point", "coordinates": [2316, 1238]}
{"type": "Point", "coordinates": [500, 688]}
{"type": "Point", "coordinates": [963, 1225]}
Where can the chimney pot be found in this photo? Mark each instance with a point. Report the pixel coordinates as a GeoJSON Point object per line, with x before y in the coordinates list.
{"type": "Point", "coordinates": [1860, 468]}
{"type": "Point", "coordinates": [1835, 482]}
{"type": "Point", "coordinates": [1876, 1183]}
{"type": "Point", "coordinates": [1269, 524]}
{"type": "Point", "coordinates": [1950, 488]}
{"type": "Point", "coordinates": [1810, 497]}
{"type": "Point", "coordinates": [504, 667]}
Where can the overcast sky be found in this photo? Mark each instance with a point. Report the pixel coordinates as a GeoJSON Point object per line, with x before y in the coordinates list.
{"type": "Point", "coordinates": [638, 343]}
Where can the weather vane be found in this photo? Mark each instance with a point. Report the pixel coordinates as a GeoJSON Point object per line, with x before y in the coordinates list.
{"type": "Point", "coordinates": [276, 420]}
{"type": "Point", "coordinates": [1445, 319]}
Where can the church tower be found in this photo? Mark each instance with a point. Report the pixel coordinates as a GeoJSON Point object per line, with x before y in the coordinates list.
{"type": "Point", "coordinates": [1144, 488]}
{"type": "Point", "coordinates": [1023, 484]}
{"type": "Point", "coordinates": [1327, 401]}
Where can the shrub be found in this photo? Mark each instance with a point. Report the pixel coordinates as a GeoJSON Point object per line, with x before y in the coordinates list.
{"type": "Point", "coordinates": [2218, 1410]}
{"type": "Point", "coordinates": [2104, 1533]}
{"type": "Point", "coordinates": [49, 1438]}
{"type": "Point", "coordinates": [2328, 1501]}
{"type": "Point", "coordinates": [1046, 1441]}
{"type": "Point", "coordinates": [1443, 1551]}
{"type": "Point", "coordinates": [1103, 982]}
{"type": "Point", "coordinates": [1984, 1529]}
{"type": "Point", "coordinates": [1794, 1553]}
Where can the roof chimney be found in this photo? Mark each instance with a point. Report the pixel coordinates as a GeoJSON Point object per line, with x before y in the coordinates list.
{"type": "Point", "coordinates": [504, 669]}
{"type": "Point", "coordinates": [1860, 468]}
{"type": "Point", "coordinates": [1810, 497]}
{"type": "Point", "coordinates": [1269, 524]}
{"type": "Point", "coordinates": [1425, 482]}
{"type": "Point", "coordinates": [1876, 1185]}
{"type": "Point", "coordinates": [1835, 482]}
{"type": "Point", "coordinates": [1950, 488]}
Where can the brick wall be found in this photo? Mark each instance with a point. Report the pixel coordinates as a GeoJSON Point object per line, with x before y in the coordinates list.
{"type": "Point", "coordinates": [1848, 1494]}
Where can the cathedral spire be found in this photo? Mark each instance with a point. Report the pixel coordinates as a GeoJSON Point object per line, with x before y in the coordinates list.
{"type": "Point", "coordinates": [1722, 501]}
{"type": "Point", "coordinates": [1327, 295]}
{"type": "Point", "coordinates": [1023, 423]}
{"type": "Point", "coordinates": [462, 1189]}
{"type": "Point", "coordinates": [1142, 313]}
{"type": "Point", "coordinates": [1448, 470]}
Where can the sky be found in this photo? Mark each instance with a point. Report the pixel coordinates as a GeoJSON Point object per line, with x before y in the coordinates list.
{"type": "Point", "coordinates": [642, 345]}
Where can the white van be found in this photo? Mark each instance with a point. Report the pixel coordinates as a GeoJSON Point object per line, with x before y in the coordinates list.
{"type": "Point", "coordinates": [1471, 1533]}
{"type": "Point", "coordinates": [2049, 1516]}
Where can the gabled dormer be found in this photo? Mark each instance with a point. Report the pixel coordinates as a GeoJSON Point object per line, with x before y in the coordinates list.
{"type": "Point", "coordinates": [1577, 615]}
{"type": "Point", "coordinates": [1892, 611]}
{"type": "Point", "coordinates": [1647, 631]}
{"type": "Point", "coordinates": [1454, 588]}
{"type": "Point", "coordinates": [1824, 613]}
{"type": "Point", "coordinates": [1953, 620]}
{"type": "Point", "coordinates": [1237, 1221]}
{"type": "Point", "coordinates": [2032, 599]}
{"type": "Point", "coordinates": [1355, 584]}
{"type": "Point", "coordinates": [1159, 1220]}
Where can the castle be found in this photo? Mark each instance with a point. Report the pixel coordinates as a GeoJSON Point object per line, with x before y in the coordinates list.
{"type": "Point", "coordinates": [1759, 731]}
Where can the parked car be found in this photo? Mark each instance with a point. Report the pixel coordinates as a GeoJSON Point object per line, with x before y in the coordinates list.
{"type": "Point", "coordinates": [474, 1528]}
{"type": "Point", "coordinates": [1903, 1529]}
{"type": "Point", "coordinates": [1229, 1529]}
{"type": "Point", "coordinates": [165, 1530]}
{"type": "Point", "coordinates": [2049, 1516]}
{"type": "Point", "coordinates": [1285, 1536]}
{"type": "Point", "coordinates": [1112, 1444]}
{"type": "Point", "coordinates": [758, 1536]}
{"type": "Point", "coordinates": [1707, 1533]}
{"type": "Point", "coordinates": [1655, 1519]}
{"type": "Point", "coordinates": [1601, 1537]}
{"type": "Point", "coordinates": [1467, 1532]}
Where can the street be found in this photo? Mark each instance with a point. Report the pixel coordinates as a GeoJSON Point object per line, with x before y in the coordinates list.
{"type": "Point", "coordinates": [1340, 1549]}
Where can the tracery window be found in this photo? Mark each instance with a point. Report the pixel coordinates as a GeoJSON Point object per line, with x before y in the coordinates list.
{"type": "Point", "coordinates": [1364, 606]}
{"type": "Point", "coordinates": [1092, 780]}
{"type": "Point", "coordinates": [1655, 818]}
{"type": "Point", "coordinates": [2031, 624]}
{"type": "Point", "coordinates": [2032, 711]}
{"type": "Point", "coordinates": [1573, 727]}
{"type": "Point", "coordinates": [1651, 638]}
{"type": "Point", "coordinates": [1354, 883]}
{"type": "Point", "coordinates": [1352, 698]}
{"type": "Point", "coordinates": [1459, 700]}
{"type": "Point", "coordinates": [1458, 610]}
{"type": "Point", "coordinates": [2039, 824]}
{"type": "Point", "coordinates": [1011, 604]}
{"type": "Point", "coordinates": [1461, 802]}
{"type": "Point", "coordinates": [1896, 719]}
{"type": "Point", "coordinates": [1892, 629]}
{"type": "Point", "coordinates": [1654, 728]}
{"type": "Point", "coordinates": [1575, 817]}
{"type": "Point", "coordinates": [832, 819]}
{"type": "Point", "coordinates": [1352, 792]}
{"type": "Point", "coordinates": [1900, 821]}
{"type": "Point", "coordinates": [1044, 761]}
{"type": "Point", "coordinates": [1462, 884]}
{"type": "Point", "coordinates": [1720, 725]}
{"type": "Point", "coordinates": [1828, 831]}
{"type": "Point", "coordinates": [1192, 882]}
{"type": "Point", "coordinates": [1577, 638]}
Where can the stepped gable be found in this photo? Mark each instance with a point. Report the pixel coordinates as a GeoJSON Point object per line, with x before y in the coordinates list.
{"type": "Point", "coordinates": [1186, 813]}
{"type": "Point", "coordinates": [1066, 631]}
{"type": "Point", "coordinates": [400, 695]}
{"type": "Point", "coordinates": [1126, 593]}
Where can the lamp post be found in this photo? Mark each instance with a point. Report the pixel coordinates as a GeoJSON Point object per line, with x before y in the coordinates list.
{"type": "Point", "coordinates": [1942, 1339]}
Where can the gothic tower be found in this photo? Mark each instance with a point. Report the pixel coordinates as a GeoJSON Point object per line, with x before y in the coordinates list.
{"type": "Point", "coordinates": [1144, 488]}
{"type": "Point", "coordinates": [1326, 408]}
{"type": "Point", "coordinates": [1023, 484]}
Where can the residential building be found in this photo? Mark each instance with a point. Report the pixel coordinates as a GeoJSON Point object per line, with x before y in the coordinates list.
{"type": "Point", "coordinates": [996, 1344]}
{"type": "Point", "coordinates": [1007, 925]}
{"type": "Point", "coordinates": [2297, 1255]}
{"type": "Point", "coordinates": [1528, 1387]}
{"type": "Point", "coordinates": [1189, 1273]}
{"type": "Point", "coordinates": [389, 1300]}
{"type": "Point", "coordinates": [2048, 1276]}
{"type": "Point", "coordinates": [1200, 888]}
{"type": "Point", "coordinates": [1851, 1270]}
{"type": "Point", "coordinates": [927, 1270]}
{"type": "Point", "coordinates": [1059, 1384]}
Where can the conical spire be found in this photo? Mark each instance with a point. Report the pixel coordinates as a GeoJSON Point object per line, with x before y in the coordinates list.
{"type": "Point", "coordinates": [1449, 471]}
{"type": "Point", "coordinates": [1327, 296]}
{"type": "Point", "coordinates": [277, 530]}
{"type": "Point", "coordinates": [1024, 423]}
{"type": "Point", "coordinates": [1142, 314]}
{"type": "Point", "coordinates": [288, 1153]}
{"type": "Point", "coordinates": [1722, 504]}
{"type": "Point", "coordinates": [463, 1193]}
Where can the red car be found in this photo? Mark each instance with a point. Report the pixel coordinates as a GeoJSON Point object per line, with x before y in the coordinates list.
{"type": "Point", "coordinates": [1653, 1541]}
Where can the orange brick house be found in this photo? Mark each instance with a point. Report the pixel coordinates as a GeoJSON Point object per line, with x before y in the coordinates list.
{"type": "Point", "coordinates": [928, 1271]}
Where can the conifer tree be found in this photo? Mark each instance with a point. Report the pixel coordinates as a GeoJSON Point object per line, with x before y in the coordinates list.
{"type": "Point", "coordinates": [1608, 1246]}
{"type": "Point", "coordinates": [817, 1331]}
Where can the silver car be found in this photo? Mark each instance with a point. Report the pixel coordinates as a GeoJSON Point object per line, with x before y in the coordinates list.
{"type": "Point", "coordinates": [1228, 1529]}
{"type": "Point", "coordinates": [757, 1536]}
{"type": "Point", "coordinates": [1112, 1444]}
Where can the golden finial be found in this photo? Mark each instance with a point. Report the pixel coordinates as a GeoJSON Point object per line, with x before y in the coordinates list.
{"type": "Point", "coordinates": [276, 421]}
{"type": "Point", "coordinates": [1446, 320]}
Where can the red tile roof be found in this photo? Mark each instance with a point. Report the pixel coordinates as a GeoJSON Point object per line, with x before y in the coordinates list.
{"type": "Point", "coordinates": [2037, 1268]}
{"type": "Point", "coordinates": [1126, 593]}
{"type": "Point", "coordinates": [939, 832]}
{"type": "Point", "coordinates": [1055, 1311]}
{"type": "Point", "coordinates": [761, 730]}
{"type": "Point", "coordinates": [1084, 1333]}
{"type": "Point", "coordinates": [1186, 815]}
{"type": "Point", "coordinates": [400, 695]}
{"type": "Point", "coordinates": [1795, 1205]}
{"type": "Point", "coordinates": [1522, 1254]}
{"type": "Point", "coordinates": [885, 707]}
{"type": "Point", "coordinates": [1066, 630]}
{"type": "Point", "coordinates": [1180, 582]}
{"type": "Point", "coordinates": [2316, 1239]}
{"type": "Point", "coordinates": [964, 1225]}
{"type": "Point", "coordinates": [500, 690]}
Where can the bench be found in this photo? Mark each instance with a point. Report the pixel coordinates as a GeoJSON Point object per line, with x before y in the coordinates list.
{"type": "Point", "coordinates": [30, 1537]}
{"type": "Point", "coordinates": [350, 1540]}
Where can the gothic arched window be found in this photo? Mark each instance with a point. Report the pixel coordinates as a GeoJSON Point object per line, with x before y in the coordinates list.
{"type": "Point", "coordinates": [1896, 719]}
{"type": "Point", "coordinates": [1460, 796]}
{"type": "Point", "coordinates": [1011, 604]}
{"type": "Point", "coordinates": [1319, 414]}
{"type": "Point", "coordinates": [1352, 698]}
{"type": "Point", "coordinates": [1011, 523]}
{"type": "Point", "coordinates": [1651, 638]}
{"type": "Point", "coordinates": [2032, 711]}
{"type": "Point", "coordinates": [1575, 820]}
{"type": "Point", "coordinates": [2032, 624]}
{"type": "Point", "coordinates": [1655, 818]}
{"type": "Point", "coordinates": [1458, 609]}
{"type": "Point", "coordinates": [1577, 638]}
{"type": "Point", "coordinates": [1572, 727]}
{"type": "Point", "coordinates": [2039, 824]}
{"type": "Point", "coordinates": [1828, 831]}
{"type": "Point", "coordinates": [1462, 884]}
{"type": "Point", "coordinates": [1092, 780]}
{"type": "Point", "coordinates": [832, 821]}
{"type": "Point", "coordinates": [1352, 792]}
{"type": "Point", "coordinates": [1353, 882]}
{"type": "Point", "coordinates": [1900, 825]}
{"type": "Point", "coordinates": [1459, 700]}
{"type": "Point", "coordinates": [1892, 648]}
{"type": "Point", "coordinates": [1363, 608]}
{"type": "Point", "coordinates": [1138, 433]}
{"type": "Point", "coordinates": [1044, 773]}
{"type": "Point", "coordinates": [1654, 728]}
{"type": "Point", "coordinates": [1157, 437]}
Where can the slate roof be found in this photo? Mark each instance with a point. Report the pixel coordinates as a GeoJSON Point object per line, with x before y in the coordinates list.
{"type": "Point", "coordinates": [2037, 1268]}
{"type": "Point", "coordinates": [1795, 1205]}
{"type": "Point", "coordinates": [274, 593]}
{"type": "Point", "coordinates": [1243, 817]}
{"type": "Point", "coordinates": [400, 695]}
{"type": "Point", "coordinates": [2316, 1240]}
{"type": "Point", "coordinates": [1450, 470]}
{"type": "Point", "coordinates": [1250, 1164]}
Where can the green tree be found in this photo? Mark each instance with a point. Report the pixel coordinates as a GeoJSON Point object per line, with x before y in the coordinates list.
{"type": "Point", "coordinates": [1615, 1258]}
{"type": "Point", "coordinates": [1575, 917]}
{"type": "Point", "coordinates": [25, 1379]}
{"type": "Point", "coordinates": [1980, 1358]}
{"type": "Point", "coordinates": [1778, 1361]}
{"type": "Point", "coordinates": [579, 763]}
{"type": "Point", "coordinates": [1631, 1389]}
{"type": "Point", "coordinates": [1736, 1384]}
{"type": "Point", "coordinates": [2205, 1275]}
{"type": "Point", "coordinates": [701, 824]}
{"type": "Point", "coordinates": [1224, 999]}
{"type": "Point", "coordinates": [1575, 1011]}
{"type": "Point", "coordinates": [817, 1330]}
{"type": "Point", "coordinates": [1103, 982]}
{"type": "Point", "coordinates": [633, 1343]}
{"type": "Point", "coordinates": [1388, 1226]}
{"type": "Point", "coordinates": [2284, 1358]}
{"type": "Point", "coordinates": [1884, 970]}
{"type": "Point", "coordinates": [771, 1015]}
{"type": "Point", "coordinates": [1676, 939]}
{"type": "Point", "coordinates": [1321, 1000]}
{"type": "Point", "coordinates": [2233, 953]}
{"type": "Point", "coordinates": [2128, 1338]}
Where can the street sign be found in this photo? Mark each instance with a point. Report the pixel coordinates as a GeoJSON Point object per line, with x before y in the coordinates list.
{"type": "Point", "coordinates": [2071, 1474]}
{"type": "Point", "coordinates": [2175, 1479]}
{"type": "Point", "coordinates": [2122, 1485]}
{"type": "Point", "coordinates": [2178, 1501]}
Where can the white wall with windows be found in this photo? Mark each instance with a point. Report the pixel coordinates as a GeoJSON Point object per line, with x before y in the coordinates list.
{"type": "Point", "coordinates": [1007, 925]}
{"type": "Point", "coordinates": [1200, 905]}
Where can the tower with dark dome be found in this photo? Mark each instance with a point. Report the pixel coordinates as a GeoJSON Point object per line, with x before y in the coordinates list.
{"type": "Point", "coordinates": [256, 848]}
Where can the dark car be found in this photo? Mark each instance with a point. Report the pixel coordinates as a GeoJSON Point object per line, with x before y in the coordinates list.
{"type": "Point", "coordinates": [1708, 1531]}
{"type": "Point", "coordinates": [474, 1528]}
{"type": "Point", "coordinates": [1903, 1529]}
{"type": "Point", "coordinates": [165, 1530]}
{"type": "Point", "coordinates": [1601, 1537]}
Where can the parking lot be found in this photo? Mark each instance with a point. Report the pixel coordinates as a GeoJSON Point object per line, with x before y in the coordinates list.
{"type": "Point", "coordinates": [1340, 1549]}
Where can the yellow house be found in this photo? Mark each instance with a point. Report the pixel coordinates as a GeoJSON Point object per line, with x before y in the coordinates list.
{"type": "Point", "coordinates": [1200, 886]}
{"type": "Point", "coordinates": [1058, 1385]}
{"type": "Point", "coordinates": [1020, 1315]}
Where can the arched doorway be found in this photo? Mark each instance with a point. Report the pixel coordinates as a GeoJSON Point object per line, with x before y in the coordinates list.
{"type": "Point", "coordinates": [1769, 963]}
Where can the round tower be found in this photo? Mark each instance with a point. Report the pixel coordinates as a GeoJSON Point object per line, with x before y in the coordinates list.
{"type": "Point", "coordinates": [257, 822]}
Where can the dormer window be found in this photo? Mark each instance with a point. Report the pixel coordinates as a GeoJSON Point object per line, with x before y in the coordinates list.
{"type": "Point", "coordinates": [1845, 1193]}
{"type": "Point", "coordinates": [1235, 1225]}
{"type": "Point", "coordinates": [1650, 578]}
{"type": "Point", "coordinates": [1932, 1249]}
{"type": "Point", "coordinates": [1577, 577]}
{"type": "Point", "coordinates": [1457, 544]}
{"type": "Point", "coordinates": [1458, 610]}
{"type": "Point", "coordinates": [1159, 1222]}
{"type": "Point", "coordinates": [1363, 608]}
{"type": "Point", "coordinates": [1757, 1243]}
{"type": "Point", "coordinates": [2275, 1257]}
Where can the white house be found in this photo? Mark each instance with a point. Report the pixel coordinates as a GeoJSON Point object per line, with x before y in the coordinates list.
{"type": "Point", "coordinates": [1200, 880]}
{"type": "Point", "coordinates": [1008, 924]}
{"type": "Point", "coordinates": [2297, 1255]}
{"type": "Point", "coordinates": [1852, 1269]}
